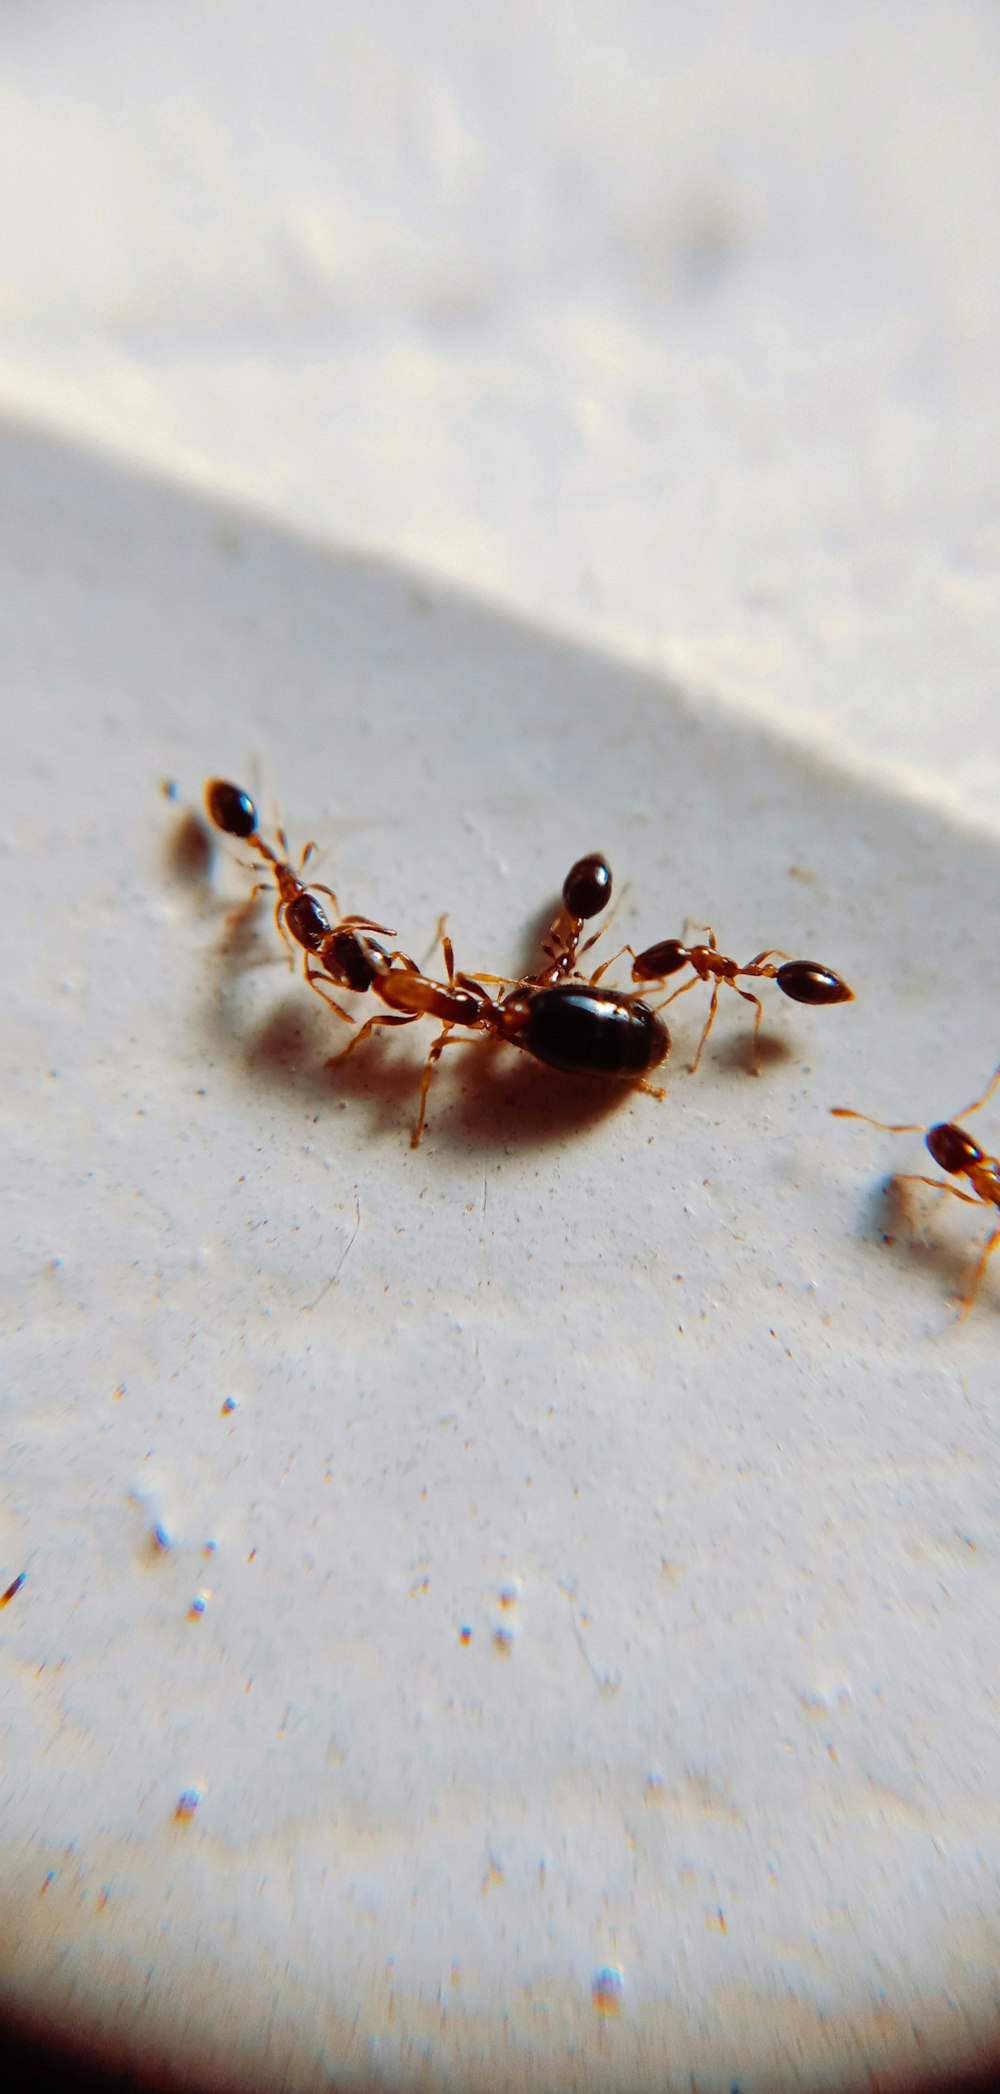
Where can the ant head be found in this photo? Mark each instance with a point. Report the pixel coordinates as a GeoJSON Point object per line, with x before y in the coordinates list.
{"type": "Point", "coordinates": [587, 886]}
{"type": "Point", "coordinates": [307, 921]}
{"type": "Point", "coordinates": [805, 981]}
{"type": "Point", "coordinates": [658, 961]}
{"type": "Point", "coordinates": [230, 808]}
{"type": "Point", "coordinates": [952, 1148]}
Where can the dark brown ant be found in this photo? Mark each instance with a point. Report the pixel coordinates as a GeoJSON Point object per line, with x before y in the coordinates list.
{"type": "Point", "coordinates": [805, 981]}
{"type": "Point", "coordinates": [342, 953]}
{"type": "Point", "coordinates": [586, 891]}
{"type": "Point", "coordinates": [957, 1153]}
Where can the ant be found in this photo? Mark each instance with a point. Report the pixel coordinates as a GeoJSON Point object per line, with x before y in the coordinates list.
{"type": "Point", "coordinates": [961, 1157]}
{"type": "Point", "coordinates": [805, 981]}
{"type": "Point", "coordinates": [586, 891]}
{"type": "Point", "coordinates": [567, 1023]}
{"type": "Point", "coordinates": [342, 954]}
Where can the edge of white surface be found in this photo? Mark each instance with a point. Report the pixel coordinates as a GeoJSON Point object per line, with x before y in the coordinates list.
{"type": "Point", "coordinates": [39, 409]}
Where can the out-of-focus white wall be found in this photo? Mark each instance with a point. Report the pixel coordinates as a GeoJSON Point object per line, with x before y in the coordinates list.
{"type": "Point", "coordinates": [675, 325]}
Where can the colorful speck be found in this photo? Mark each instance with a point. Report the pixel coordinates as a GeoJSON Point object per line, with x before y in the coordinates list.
{"type": "Point", "coordinates": [230, 1403]}
{"type": "Point", "coordinates": [49, 1878]}
{"type": "Point", "coordinates": [198, 1606]}
{"type": "Point", "coordinates": [14, 1586]}
{"type": "Point", "coordinates": [465, 1634]}
{"type": "Point", "coordinates": [607, 1989]}
{"type": "Point", "coordinates": [187, 1804]}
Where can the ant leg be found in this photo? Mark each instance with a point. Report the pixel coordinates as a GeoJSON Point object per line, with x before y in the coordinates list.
{"type": "Point", "coordinates": [984, 1100]}
{"type": "Point", "coordinates": [369, 1027]}
{"type": "Point", "coordinates": [682, 991]}
{"type": "Point", "coordinates": [437, 1050]}
{"type": "Point", "coordinates": [748, 998]}
{"type": "Point", "coordinates": [652, 1090]}
{"type": "Point", "coordinates": [315, 980]}
{"type": "Point", "coordinates": [847, 1112]}
{"type": "Point", "coordinates": [445, 943]}
{"type": "Point", "coordinates": [279, 917]}
{"type": "Point", "coordinates": [709, 1022]}
{"type": "Point", "coordinates": [320, 887]}
{"type": "Point", "coordinates": [937, 1185]}
{"type": "Point", "coordinates": [359, 923]}
{"type": "Point", "coordinates": [605, 964]}
{"type": "Point", "coordinates": [307, 852]}
{"type": "Point", "coordinates": [243, 911]}
{"type": "Point", "coordinates": [987, 1252]}
{"type": "Point", "coordinates": [690, 925]}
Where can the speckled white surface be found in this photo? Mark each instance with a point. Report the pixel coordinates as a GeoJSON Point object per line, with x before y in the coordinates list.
{"type": "Point", "coordinates": [560, 1567]}
{"type": "Point", "coordinates": [600, 1563]}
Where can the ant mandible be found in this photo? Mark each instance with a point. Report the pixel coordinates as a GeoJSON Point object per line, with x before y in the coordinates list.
{"type": "Point", "coordinates": [342, 954]}
{"type": "Point", "coordinates": [805, 981]}
{"type": "Point", "coordinates": [961, 1157]}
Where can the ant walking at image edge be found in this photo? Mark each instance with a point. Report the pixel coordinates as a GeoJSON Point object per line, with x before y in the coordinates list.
{"type": "Point", "coordinates": [957, 1153]}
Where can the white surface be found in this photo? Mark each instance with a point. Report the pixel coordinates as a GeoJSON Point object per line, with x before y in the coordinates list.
{"type": "Point", "coordinates": [672, 325]}
{"type": "Point", "coordinates": [673, 329]}
{"type": "Point", "coordinates": [643, 1389]}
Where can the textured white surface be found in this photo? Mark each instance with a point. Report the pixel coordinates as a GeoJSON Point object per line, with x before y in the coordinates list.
{"type": "Point", "coordinates": [674, 329]}
{"type": "Point", "coordinates": [672, 325]}
{"type": "Point", "coordinates": [639, 1396]}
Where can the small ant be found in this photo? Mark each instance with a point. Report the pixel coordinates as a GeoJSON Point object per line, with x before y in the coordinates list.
{"type": "Point", "coordinates": [342, 954]}
{"type": "Point", "coordinates": [586, 891]}
{"type": "Point", "coordinates": [805, 981]}
{"type": "Point", "coordinates": [569, 1024]}
{"type": "Point", "coordinates": [957, 1153]}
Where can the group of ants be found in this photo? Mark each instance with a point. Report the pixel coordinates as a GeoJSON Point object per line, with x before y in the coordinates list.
{"type": "Point", "coordinates": [568, 1020]}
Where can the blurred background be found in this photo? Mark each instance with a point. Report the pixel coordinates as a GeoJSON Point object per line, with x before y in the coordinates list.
{"type": "Point", "coordinates": [670, 325]}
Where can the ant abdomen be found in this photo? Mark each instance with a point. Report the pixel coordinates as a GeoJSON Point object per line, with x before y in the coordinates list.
{"type": "Point", "coordinates": [659, 961]}
{"type": "Point", "coordinates": [583, 1030]}
{"type": "Point", "coordinates": [587, 886]}
{"type": "Point", "coordinates": [805, 981]}
{"type": "Point", "coordinates": [307, 921]}
{"type": "Point", "coordinates": [230, 808]}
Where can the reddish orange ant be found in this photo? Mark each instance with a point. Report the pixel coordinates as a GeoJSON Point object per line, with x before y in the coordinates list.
{"type": "Point", "coordinates": [961, 1157]}
{"type": "Point", "coordinates": [805, 981]}
{"type": "Point", "coordinates": [342, 953]}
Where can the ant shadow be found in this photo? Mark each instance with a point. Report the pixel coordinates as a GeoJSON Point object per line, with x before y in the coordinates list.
{"type": "Point", "coordinates": [508, 1101]}
{"type": "Point", "coordinates": [735, 1051]}
{"type": "Point", "coordinates": [896, 1218]}
{"type": "Point", "coordinates": [188, 852]}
